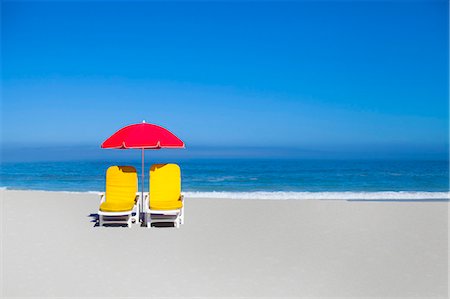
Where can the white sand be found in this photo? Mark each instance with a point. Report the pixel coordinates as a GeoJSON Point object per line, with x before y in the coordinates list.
{"type": "Point", "coordinates": [226, 248]}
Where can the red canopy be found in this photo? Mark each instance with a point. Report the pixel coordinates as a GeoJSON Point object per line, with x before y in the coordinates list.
{"type": "Point", "coordinates": [143, 136]}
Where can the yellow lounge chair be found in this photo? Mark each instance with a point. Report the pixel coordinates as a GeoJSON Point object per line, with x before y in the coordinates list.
{"type": "Point", "coordinates": [119, 203]}
{"type": "Point", "coordinates": [164, 203]}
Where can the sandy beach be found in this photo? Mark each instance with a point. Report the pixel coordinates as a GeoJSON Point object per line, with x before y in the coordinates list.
{"type": "Point", "coordinates": [226, 248]}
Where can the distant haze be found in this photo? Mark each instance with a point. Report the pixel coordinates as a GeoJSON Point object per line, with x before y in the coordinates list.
{"type": "Point", "coordinates": [16, 153]}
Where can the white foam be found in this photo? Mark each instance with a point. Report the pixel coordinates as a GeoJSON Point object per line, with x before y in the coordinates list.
{"type": "Point", "coordinates": [306, 195]}
{"type": "Point", "coordinates": [346, 195]}
{"type": "Point", "coordinates": [79, 192]}
{"type": "Point", "coordinates": [56, 191]}
{"type": "Point", "coordinates": [94, 192]}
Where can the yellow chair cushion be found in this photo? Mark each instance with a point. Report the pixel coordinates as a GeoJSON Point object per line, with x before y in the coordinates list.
{"type": "Point", "coordinates": [121, 187]}
{"type": "Point", "coordinates": [107, 206]}
{"type": "Point", "coordinates": [165, 187]}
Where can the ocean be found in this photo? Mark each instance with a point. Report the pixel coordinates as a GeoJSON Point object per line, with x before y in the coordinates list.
{"type": "Point", "coordinates": [255, 179]}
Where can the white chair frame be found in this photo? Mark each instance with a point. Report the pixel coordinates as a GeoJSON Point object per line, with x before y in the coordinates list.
{"type": "Point", "coordinates": [162, 216]}
{"type": "Point", "coordinates": [122, 217]}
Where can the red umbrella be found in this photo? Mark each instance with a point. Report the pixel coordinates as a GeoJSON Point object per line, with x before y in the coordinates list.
{"type": "Point", "coordinates": [143, 136]}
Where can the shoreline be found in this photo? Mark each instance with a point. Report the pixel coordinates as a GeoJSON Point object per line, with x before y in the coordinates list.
{"type": "Point", "coordinates": [226, 248]}
{"type": "Point", "coordinates": [356, 196]}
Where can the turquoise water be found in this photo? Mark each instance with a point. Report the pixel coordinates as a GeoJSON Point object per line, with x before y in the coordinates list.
{"type": "Point", "coordinates": [255, 178]}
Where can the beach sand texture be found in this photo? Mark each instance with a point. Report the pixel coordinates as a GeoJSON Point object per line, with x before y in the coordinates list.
{"type": "Point", "coordinates": [226, 248]}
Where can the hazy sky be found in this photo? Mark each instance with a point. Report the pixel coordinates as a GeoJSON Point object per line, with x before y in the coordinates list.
{"type": "Point", "coordinates": [313, 75]}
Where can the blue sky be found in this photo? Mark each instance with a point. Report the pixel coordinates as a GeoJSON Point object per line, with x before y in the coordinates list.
{"type": "Point", "coordinates": [314, 76]}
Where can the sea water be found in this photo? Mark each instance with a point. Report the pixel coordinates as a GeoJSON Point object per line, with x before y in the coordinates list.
{"type": "Point", "coordinates": [255, 179]}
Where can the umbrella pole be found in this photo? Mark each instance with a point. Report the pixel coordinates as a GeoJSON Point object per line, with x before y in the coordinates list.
{"type": "Point", "coordinates": [142, 189]}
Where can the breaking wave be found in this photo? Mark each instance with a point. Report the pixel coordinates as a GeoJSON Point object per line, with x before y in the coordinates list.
{"type": "Point", "coordinates": [345, 195]}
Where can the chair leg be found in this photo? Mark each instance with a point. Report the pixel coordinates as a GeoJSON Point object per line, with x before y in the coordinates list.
{"type": "Point", "coordinates": [148, 221]}
{"type": "Point", "coordinates": [100, 220]}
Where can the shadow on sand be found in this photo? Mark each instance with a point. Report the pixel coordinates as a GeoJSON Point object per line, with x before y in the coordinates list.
{"type": "Point", "coordinates": [94, 219]}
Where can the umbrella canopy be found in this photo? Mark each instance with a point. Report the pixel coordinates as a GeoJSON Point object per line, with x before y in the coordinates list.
{"type": "Point", "coordinates": [142, 136]}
